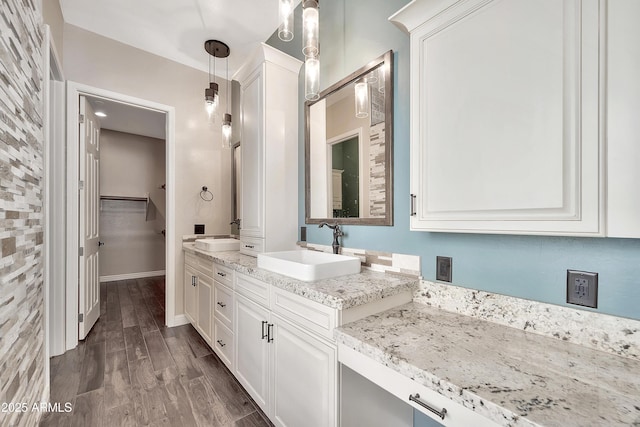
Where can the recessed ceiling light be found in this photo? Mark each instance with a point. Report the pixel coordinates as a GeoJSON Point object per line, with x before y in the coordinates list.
{"type": "Point", "coordinates": [100, 114]}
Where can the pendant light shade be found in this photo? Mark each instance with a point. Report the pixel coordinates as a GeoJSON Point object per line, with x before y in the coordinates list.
{"type": "Point", "coordinates": [363, 106]}
{"type": "Point", "coordinates": [226, 131]}
{"type": "Point", "coordinates": [310, 28]}
{"type": "Point", "coordinates": [312, 79]}
{"type": "Point", "coordinates": [211, 98]}
{"type": "Point", "coordinates": [285, 31]}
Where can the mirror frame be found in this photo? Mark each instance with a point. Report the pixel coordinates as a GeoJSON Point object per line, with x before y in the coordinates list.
{"type": "Point", "coordinates": [385, 61]}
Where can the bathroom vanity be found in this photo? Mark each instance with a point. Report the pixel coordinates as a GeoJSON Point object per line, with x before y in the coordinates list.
{"type": "Point", "coordinates": [276, 334]}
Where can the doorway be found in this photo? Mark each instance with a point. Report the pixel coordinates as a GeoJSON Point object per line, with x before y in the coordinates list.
{"type": "Point", "coordinates": [126, 103]}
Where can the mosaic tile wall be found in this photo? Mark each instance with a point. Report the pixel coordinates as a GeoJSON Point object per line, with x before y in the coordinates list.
{"type": "Point", "coordinates": [377, 193]}
{"type": "Point", "coordinates": [22, 359]}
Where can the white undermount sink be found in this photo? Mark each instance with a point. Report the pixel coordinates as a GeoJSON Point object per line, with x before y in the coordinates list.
{"type": "Point", "coordinates": [218, 245]}
{"type": "Point", "coordinates": [309, 265]}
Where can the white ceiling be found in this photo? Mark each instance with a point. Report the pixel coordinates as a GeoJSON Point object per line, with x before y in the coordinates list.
{"type": "Point", "coordinates": [130, 119]}
{"type": "Point", "coordinates": [177, 29]}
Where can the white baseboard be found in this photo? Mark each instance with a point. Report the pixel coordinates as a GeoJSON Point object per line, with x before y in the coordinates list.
{"type": "Point", "coordinates": [178, 320]}
{"type": "Point", "coordinates": [129, 276]}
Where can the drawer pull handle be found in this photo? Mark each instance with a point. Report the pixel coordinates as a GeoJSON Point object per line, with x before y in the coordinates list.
{"type": "Point", "coordinates": [221, 274]}
{"type": "Point", "coordinates": [264, 335]}
{"type": "Point", "coordinates": [249, 246]}
{"type": "Point", "coordinates": [221, 343]}
{"type": "Point", "coordinates": [221, 304]}
{"type": "Point", "coordinates": [416, 398]}
{"type": "Point", "coordinates": [412, 209]}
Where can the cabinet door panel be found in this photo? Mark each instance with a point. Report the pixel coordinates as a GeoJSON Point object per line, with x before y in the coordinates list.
{"type": "Point", "coordinates": [190, 308]}
{"type": "Point", "coordinates": [505, 116]}
{"type": "Point", "coordinates": [304, 378]}
{"type": "Point", "coordinates": [252, 158]}
{"type": "Point", "coordinates": [205, 297]}
{"type": "Point", "coordinates": [252, 351]}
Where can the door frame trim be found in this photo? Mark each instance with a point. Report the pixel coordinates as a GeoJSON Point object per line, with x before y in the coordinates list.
{"type": "Point", "coordinates": [74, 90]}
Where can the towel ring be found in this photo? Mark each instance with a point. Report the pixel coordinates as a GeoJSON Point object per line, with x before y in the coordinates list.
{"type": "Point", "coordinates": [205, 194]}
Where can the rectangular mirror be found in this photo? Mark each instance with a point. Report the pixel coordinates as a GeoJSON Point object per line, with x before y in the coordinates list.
{"type": "Point", "coordinates": [349, 148]}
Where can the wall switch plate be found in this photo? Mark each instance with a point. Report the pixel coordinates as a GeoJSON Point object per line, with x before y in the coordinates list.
{"type": "Point", "coordinates": [443, 268]}
{"type": "Point", "coordinates": [582, 288]}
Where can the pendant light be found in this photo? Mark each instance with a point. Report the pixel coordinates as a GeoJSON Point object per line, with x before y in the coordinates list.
{"type": "Point", "coordinates": [226, 123]}
{"type": "Point", "coordinates": [216, 49]}
{"type": "Point", "coordinates": [311, 49]}
{"type": "Point", "coordinates": [285, 31]}
{"type": "Point", "coordinates": [310, 28]}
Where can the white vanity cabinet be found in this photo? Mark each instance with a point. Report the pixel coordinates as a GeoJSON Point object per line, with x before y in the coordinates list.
{"type": "Point", "coordinates": [269, 120]}
{"type": "Point", "coordinates": [505, 116]}
{"type": "Point", "coordinates": [288, 369]}
{"type": "Point", "coordinates": [198, 294]}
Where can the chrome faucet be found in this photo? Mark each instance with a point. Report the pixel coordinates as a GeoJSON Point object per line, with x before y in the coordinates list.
{"type": "Point", "coordinates": [236, 221]}
{"type": "Point", "coordinates": [337, 232]}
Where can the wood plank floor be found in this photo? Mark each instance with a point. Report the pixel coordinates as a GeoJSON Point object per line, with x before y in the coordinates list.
{"type": "Point", "coordinates": [134, 371]}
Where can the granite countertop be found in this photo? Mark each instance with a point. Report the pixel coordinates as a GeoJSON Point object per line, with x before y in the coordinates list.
{"type": "Point", "coordinates": [341, 292]}
{"type": "Point", "coordinates": [514, 377]}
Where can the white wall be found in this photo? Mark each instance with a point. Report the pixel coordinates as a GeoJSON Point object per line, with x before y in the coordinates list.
{"type": "Point", "coordinates": [132, 166]}
{"type": "Point", "coordinates": [104, 63]}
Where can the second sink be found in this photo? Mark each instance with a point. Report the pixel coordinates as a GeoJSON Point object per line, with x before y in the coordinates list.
{"type": "Point", "coordinates": [309, 265]}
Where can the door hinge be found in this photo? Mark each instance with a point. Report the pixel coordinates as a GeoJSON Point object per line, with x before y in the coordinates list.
{"type": "Point", "coordinates": [81, 118]}
{"type": "Point", "coordinates": [81, 251]}
{"type": "Point", "coordinates": [80, 317]}
{"type": "Point", "coordinates": [81, 185]}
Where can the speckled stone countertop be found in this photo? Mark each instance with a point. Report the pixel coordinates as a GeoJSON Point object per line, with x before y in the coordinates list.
{"type": "Point", "coordinates": [513, 377]}
{"type": "Point", "coordinates": [341, 292]}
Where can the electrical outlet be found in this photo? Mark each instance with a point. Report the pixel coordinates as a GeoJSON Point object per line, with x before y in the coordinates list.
{"type": "Point", "coordinates": [582, 288]}
{"type": "Point", "coordinates": [443, 268]}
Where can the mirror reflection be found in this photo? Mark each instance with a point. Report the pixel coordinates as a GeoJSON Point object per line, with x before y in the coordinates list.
{"type": "Point", "coordinates": [349, 147]}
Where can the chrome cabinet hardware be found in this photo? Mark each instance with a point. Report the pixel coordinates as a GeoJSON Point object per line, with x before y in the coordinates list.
{"type": "Point", "coordinates": [264, 335]}
{"type": "Point", "coordinates": [194, 280]}
{"type": "Point", "coordinates": [413, 205]}
{"type": "Point", "coordinates": [249, 246]}
{"type": "Point", "coordinates": [221, 304]}
{"type": "Point", "coordinates": [221, 343]}
{"type": "Point", "coordinates": [416, 398]}
{"type": "Point", "coordinates": [269, 330]}
{"type": "Point", "coordinates": [221, 274]}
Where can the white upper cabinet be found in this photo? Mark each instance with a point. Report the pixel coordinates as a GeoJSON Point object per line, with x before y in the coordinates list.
{"type": "Point", "coordinates": [269, 177]}
{"type": "Point", "coordinates": [505, 116]}
{"type": "Point", "coordinates": [623, 118]}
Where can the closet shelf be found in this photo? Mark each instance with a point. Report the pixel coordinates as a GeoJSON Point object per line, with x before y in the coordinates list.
{"type": "Point", "coordinates": [144, 198]}
{"type": "Point", "coordinates": [130, 198]}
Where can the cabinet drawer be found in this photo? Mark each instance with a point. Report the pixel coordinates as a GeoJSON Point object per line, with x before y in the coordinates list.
{"type": "Point", "coordinates": [223, 274]}
{"type": "Point", "coordinates": [253, 289]}
{"type": "Point", "coordinates": [403, 387]}
{"type": "Point", "coordinates": [223, 345]}
{"type": "Point", "coordinates": [311, 315]}
{"type": "Point", "coordinates": [223, 304]}
{"type": "Point", "coordinates": [251, 245]}
{"type": "Point", "coordinates": [198, 263]}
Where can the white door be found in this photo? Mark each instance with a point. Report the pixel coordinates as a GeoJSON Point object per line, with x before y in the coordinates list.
{"type": "Point", "coordinates": [304, 378]}
{"type": "Point", "coordinates": [89, 198]}
{"type": "Point", "coordinates": [252, 351]}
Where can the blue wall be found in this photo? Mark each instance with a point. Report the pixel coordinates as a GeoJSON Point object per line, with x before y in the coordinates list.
{"type": "Point", "coordinates": [353, 32]}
